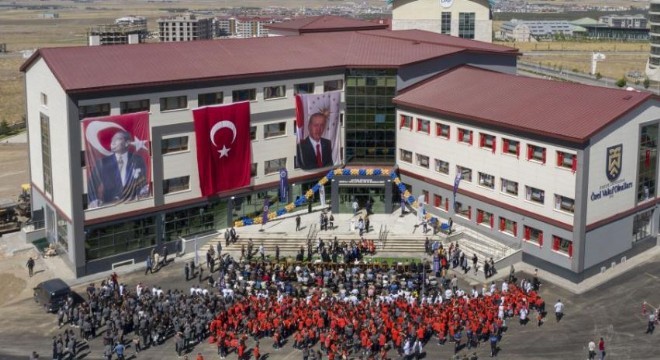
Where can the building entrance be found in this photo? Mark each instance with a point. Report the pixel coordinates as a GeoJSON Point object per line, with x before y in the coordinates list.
{"type": "Point", "coordinates": [373, 197]}
{"type": "Point", "coordinates": [372, 191]}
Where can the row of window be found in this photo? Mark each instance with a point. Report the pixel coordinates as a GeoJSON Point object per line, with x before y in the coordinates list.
{"type": "Point", "coordinates": [505, 225]}
{"type": "Point", "coordinates": [212, 98]}
{"type": "Point", "coordinates": [489, 142]}
{"type": "Point", "coordinates": [182, 183]}
{"type": "Point", "coordinates": [507, 186]}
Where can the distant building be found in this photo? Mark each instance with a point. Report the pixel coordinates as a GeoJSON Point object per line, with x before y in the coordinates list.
{"type": "Point", "coordinates": [326, 23]}
{"type": "Point", "coordinates": [469, 19]}
{"type": "Point", "coordinates": [242, 27]}
{"type": "Point", "coordinates": [524, 30]}
{"type": "Point", "coordinates": [131, 20]}
{"type": "Point", "coordinates": [185, 28]}
{"type": "Point", "coordinates": [123, 31]}
{"type": "Point", "coordinates": [49, 16]}
{"type": "Point", "coordinates": [637, 21]}
{"type": "Point", "coordinates": [653, 65]}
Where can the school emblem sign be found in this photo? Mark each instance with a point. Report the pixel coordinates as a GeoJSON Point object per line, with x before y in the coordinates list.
{"type": "Point", "coordinates": [613, 162]}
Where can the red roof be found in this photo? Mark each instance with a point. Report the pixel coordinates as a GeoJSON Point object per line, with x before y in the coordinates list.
{"type": "Point", "coordinates": [326, 23]}
{"type": "Point", "coordinates": [91, 68]}
{"type": "Point", "coordinates": [560, 110]}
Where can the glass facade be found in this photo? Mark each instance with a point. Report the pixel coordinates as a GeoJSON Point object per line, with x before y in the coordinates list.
{"type": "Point", "coordinates": [370, 116]}
{"type": "Point", "coordinates": [362, 194]}
{"type": "Point", "coordinates": [119, 238]}
{"type": "Point", "coordinates": [647, 164]}
{"type": "Point", "coordinates": [195, 220]}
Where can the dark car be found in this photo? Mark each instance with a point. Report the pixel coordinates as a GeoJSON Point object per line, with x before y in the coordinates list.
{"type": "Point", "coordinates": [52, 294]}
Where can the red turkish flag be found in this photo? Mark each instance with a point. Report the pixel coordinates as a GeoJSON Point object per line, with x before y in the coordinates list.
{"type": "Point", "coordinates": [224, 155]}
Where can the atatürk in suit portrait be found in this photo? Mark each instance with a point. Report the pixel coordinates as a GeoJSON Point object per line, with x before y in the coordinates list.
{"type": "Point", "coordinates": [118, 177]}
{"type": "Point", "coordinates": [315, 151]}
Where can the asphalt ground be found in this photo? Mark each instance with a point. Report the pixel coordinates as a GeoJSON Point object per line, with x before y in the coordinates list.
{"type": "Point", "coordinates": [611, 311]}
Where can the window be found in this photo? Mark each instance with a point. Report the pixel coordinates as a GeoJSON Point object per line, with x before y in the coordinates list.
{"type": "Point", "coordinates": [253, 133]}
{"type": "Point", "coordinates": [466, 174]}
{"type": "Point", "coordinates": [437, 201]}
{"type": "Point", "coordinates": [276, 129]}
{"type": "Point", "coordinates": [62, 231]}
{"type": "Point", "coordinates": [406, 155]}
{"type": "Point", "coordinates": [461, 210]}
{"type": "Point", "coordinates": [567, 161]}
{"type": "Point", "coordinates": [253, 170]}
{"type": "Point", "coordinates": [244, 95]}
{"type": "Point", "coordinates": [485, 218]}
{"type": "Point", "coordinates": [210, 98]}
{"type": "Point", "coordinates": [424, 126]}
{"type": "Point", "coordinates": [176, 184]}
{"type": "Point", "coordinates": [486, 180]}
{"type": "Point", "coordinates": [533, 235]}
{"type": "Point", "coordinates": [274, 92]}
{"type": "Point", "coordinates": [646, 163]}
{"type": "Point", "coordinates": [46, 164]}
{"type": "Point", "coordinates": [333, 85]}
{"type": "Point", "coordinates": [487, 142]}
{"type": "Point", "coordinates": [508, 226]}
{"type": "Point", "coordinates": [174, 144]}
{"type": "Point", "coordinates": [426, 196]}
{"type": "Point", "coordinates": [44, 99]}
{"type": "Point", "coordinates": [442, 167]}
{"type": "Point", "coordinates": [466, 25]}
{"type": "Point", "coordinates": [511, 147]}
{"type": "Point", "coordinates": [562, 245]}
{"type": "Point", "coordinates": [442, 130]}
{"type": "Point", "coordinates": [536, 153]}
{"type": "Point", "coordinates": [406, 122]}
{"type": "Point", "coordinates": [133, 106]}
{"type": "Point", "coordinates": [87, 111]}
{"type": "Point", "coordinates": [642, 225]}
{"type": "Point", "coordinates": [423, 161]}
{"type": "Point", "coordinates": [306, 88]}
{"type": "Point", "coordinates": [534, 194]}
{"type": "Point", "coordinates": [173, 103]}
{"type": "Point", "coordinates": [465, 136]}
{"type": "Point", "coordinates": [564, 204]}
{"type": "Point", "coordinates": [445, 23]}
{"type": "Point", "coordinates": [509, 187]}
{"type": "Point", "coordinates": [274, 166]}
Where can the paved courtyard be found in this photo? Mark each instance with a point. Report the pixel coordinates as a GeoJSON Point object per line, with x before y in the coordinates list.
{"type": "Point", "coordinates": [611, 310]}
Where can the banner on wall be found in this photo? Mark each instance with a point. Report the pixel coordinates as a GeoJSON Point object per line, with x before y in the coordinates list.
{"type": "Point", "coordinates": [224, 157]}
{"type": "Point", "coordinates": [317, 130]}
{"type": "Point", "coordinates": [118, 158]}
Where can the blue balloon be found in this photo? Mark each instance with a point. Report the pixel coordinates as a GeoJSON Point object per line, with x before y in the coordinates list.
{"type": "Point", "coordinates": [330, 175]}
{"type": "Point", "coordinates": [281, 212]}
{"type": "Point", "coordinates": [316, 187]}
{"type": "Point", "coordinates": [362, 172]}
{"type": "Point", "coordinates": [378, 171]}
{"type": "Point", "coordinates": [248, 222]}
{"type": "Point", "coordinates": [346, 172]}
{"type": "Point", "coordinates": [411, 199]}
{"type": "Point", "coordinates": [402, 187]}
{"type": "Point", "coordinates": [393, 175]}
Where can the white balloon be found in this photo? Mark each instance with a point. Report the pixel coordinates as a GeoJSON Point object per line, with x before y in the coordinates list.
{"type": "Point", "coordinates": [92, 134]}
{"type": "Point", "coordinates": [223, 124]}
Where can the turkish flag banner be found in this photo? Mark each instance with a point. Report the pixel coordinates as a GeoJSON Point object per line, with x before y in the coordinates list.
{"type": "Point", "coordinates": [224, 156]}
{"type": "Point", "coordinates": [118, 158]}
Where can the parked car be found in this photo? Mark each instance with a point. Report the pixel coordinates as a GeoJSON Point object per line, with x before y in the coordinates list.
{"type": "Point", "coordinates": [52, 294]}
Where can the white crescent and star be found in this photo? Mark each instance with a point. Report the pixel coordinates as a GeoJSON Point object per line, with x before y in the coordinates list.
{"type": "Point", "coordinates": [221, 125]}
{"type": "Point", "coordinates": [92, 136]}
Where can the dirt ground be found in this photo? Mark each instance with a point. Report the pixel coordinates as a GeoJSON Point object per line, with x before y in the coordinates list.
{"type": "Point", "coordinates": [14, 165]}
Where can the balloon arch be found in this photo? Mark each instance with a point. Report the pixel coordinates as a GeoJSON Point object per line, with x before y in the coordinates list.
{"type": "Point", "coordinates": [410, 199]}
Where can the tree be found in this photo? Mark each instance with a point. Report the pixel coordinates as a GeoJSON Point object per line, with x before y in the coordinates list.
{"type": "Point", "coordinates": [621, 82]}
{"type": "Point", "coordinates": [4, 128]}
{"type": "Point", "coordinates": [646, 83]}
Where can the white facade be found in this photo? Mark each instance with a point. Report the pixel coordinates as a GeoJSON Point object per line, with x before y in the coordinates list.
{"type": "Point", "coordinates": [462, 18]}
